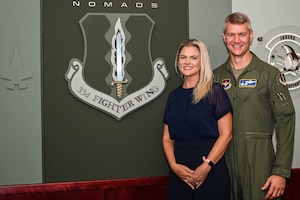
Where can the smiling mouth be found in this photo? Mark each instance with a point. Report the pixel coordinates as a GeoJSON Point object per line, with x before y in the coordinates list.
{"type": "Point", "coordinates": [237, 46]}
{"type": "Point", "coordinates": [187, 67]}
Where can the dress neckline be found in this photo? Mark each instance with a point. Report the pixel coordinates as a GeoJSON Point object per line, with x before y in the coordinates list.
{"type": "Point", "coordinates": [187, 88]}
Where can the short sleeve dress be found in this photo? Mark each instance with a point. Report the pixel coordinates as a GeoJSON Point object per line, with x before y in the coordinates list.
{"type": "Point", "coordinates": [194, 129]}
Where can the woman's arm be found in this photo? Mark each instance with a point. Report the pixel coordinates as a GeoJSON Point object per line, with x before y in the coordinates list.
{"type": "Point", "coordinates": [168, 146]}
{"type": "Point", "coordinates": [182, 171]}
{"type": "Point", "coordinates": [225, 135]}
{"type": "Point", "coordinates": [217, 151]}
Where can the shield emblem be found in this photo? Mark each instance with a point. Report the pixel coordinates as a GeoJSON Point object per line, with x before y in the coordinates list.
{"type": "Point", "coordinates": [117, 74]}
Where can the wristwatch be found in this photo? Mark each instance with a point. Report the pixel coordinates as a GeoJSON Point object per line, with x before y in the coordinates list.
{"type": "Point", "coordinates": [210, 162]}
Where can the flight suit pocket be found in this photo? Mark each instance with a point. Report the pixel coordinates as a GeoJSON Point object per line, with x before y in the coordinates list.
{"type": "Point", "coordinates": [283, 103]}
{"type": "Point", "coordinates": [253, 92]}
{"type": "Point", "coordinates": [260, 151]}
{"type": "Point", "coordinates": [252, 135]}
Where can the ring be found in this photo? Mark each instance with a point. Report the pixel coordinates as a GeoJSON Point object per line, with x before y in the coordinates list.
{"type": "Point", "coordinates": [197, 183]}
{"type": "Point", "coordinates": [278, 193]}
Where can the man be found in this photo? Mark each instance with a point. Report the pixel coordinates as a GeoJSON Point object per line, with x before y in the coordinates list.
{"type": "Point", "coordinates": [261, 106]}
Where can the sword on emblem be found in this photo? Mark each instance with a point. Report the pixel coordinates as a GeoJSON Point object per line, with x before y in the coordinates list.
{"type": "Point", "coordinates": [118, 58]}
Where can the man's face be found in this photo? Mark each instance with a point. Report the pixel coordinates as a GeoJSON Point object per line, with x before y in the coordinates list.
{"type": "Point", "coordinates": [237, 38]}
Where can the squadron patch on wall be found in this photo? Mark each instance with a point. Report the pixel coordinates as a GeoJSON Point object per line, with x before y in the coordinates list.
{"type": "Point", "coordinates": [280, 47]}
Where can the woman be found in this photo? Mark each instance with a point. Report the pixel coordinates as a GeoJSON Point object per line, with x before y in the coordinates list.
{"type": "Point", "coordinates": [197, 129]}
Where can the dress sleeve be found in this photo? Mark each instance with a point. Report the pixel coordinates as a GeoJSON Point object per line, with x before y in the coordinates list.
{"type": "Point", "coordinates": [220, 101]}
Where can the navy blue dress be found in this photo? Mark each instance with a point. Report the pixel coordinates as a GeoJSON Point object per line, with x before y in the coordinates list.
{"type": "Point", "coordinates": [194, 129]}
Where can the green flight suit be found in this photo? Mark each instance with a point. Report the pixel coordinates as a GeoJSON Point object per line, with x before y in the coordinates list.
{"type": "Point", "coordinates": [261, 106]}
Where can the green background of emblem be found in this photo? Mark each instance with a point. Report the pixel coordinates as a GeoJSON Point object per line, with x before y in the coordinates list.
{"type": "Point", "coordinates": [82, 142]}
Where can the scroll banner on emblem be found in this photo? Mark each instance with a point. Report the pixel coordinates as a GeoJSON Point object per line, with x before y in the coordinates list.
{"type": "Point", "coordinates": [106, 103]}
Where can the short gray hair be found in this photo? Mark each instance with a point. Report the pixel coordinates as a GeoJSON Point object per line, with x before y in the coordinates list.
{"type": "Point", "coordinates": [237, 18]}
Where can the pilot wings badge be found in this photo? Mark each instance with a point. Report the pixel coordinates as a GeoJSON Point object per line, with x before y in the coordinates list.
{"type": "Point", "coordinates": [114, 49]}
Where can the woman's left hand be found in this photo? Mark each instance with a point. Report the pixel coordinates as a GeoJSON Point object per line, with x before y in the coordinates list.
{"type": "Point", "coordinates": [200, 174]}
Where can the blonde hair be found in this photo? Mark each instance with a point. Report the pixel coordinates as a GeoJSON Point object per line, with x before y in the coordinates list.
{"type": "Point", "coordinates": [204, 85]}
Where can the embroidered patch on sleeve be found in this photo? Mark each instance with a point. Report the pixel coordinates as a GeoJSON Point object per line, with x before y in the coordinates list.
{"type": "Point", "coordinates": [282, 79]}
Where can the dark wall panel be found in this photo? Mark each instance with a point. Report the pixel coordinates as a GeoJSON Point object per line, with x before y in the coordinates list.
{"type": "Point", "coordinates": [80, 140]}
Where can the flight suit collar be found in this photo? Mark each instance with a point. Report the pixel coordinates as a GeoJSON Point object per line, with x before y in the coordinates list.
{"type": "Point", "coordinates": [252, 65]}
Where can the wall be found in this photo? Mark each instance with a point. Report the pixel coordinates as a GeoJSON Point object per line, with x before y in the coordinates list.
{"type": "Point", "coordinates": [20, 107]}
{"type": "Point", "coordinates": [206, 23]}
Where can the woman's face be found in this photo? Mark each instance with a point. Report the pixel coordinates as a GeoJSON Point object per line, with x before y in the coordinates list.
{"type": "Point", "coordinates": [189, 61]}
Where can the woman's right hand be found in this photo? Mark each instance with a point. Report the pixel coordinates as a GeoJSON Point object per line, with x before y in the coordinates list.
{"type": "Point", "coordinates": [184, 173]}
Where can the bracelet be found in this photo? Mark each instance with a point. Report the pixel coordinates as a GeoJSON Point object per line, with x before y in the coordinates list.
{"type": "Point", "coordinates": [209, 162]}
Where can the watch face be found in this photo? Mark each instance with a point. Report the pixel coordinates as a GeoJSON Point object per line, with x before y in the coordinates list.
{"type": "Point", "coordinates": [280, 47]}
{"type": "Point", "coordinates": [211, 163]}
